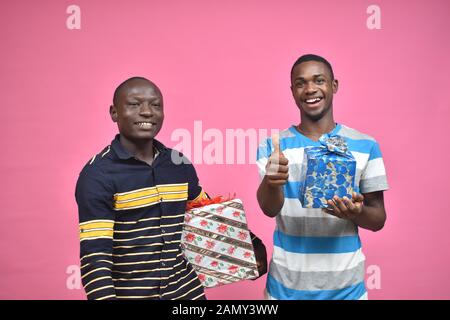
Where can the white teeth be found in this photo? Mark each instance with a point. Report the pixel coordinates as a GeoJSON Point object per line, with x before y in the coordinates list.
{"type": "Point", "coordinates": [313, 100]}
{"type": "Point", "coordinates": [144, 124]}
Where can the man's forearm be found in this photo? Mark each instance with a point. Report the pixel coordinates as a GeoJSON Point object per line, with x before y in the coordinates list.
{"type": "Point", "coordinates": [270, 198]}
{"type": "Point", "coordinates": [371, 218]}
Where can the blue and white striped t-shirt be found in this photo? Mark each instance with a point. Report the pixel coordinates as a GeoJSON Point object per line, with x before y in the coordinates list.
{"type": "Point", "coordinates": [317, 255]}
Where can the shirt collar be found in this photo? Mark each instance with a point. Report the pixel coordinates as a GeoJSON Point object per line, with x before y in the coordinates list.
{"type": "Point", "coordinates": [124, 154]}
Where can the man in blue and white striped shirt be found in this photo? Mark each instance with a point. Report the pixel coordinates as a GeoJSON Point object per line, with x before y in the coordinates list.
{"type": "Point", "coordinates": [317, 252]}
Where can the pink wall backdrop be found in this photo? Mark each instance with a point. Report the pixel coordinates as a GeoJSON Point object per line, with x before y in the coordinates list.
{"type": "Point", "coordinates": [226, 64]}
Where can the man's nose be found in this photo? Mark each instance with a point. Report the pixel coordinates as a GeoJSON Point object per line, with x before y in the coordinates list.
{"type": "Point", "coordinates": [310, 88]}
{"type": "Point", "coordinates": [146, 109]}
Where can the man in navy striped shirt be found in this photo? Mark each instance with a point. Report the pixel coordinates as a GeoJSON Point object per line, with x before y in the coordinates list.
{"type": "Point", "coordinates": [131, 199]}
{"type": "Point", "coordinates": [317, 253]}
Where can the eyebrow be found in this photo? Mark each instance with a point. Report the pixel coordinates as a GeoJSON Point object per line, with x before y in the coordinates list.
{"type": "Point", "coordinates": [140, 98]}
{"type": "Point", "coordinates": [314, 76]}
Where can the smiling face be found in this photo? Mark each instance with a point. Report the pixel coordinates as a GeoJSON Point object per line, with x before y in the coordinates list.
{"type": "Point", "coordinates": [312, 87]}
{"type": "Point", "coordinates": [138, 110]}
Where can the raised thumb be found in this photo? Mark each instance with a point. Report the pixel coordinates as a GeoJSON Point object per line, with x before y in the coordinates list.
{"type": "Point", "coordinates": [276, 144]}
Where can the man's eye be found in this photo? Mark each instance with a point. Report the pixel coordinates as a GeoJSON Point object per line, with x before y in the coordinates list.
{"type": "Point", "coordinates": [320, 81]}
{"type": "Point", "coordinates": [299, 84]}
{"type": "Point", "coordinates": [133, 104]}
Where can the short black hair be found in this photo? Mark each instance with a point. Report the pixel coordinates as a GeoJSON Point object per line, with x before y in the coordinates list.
{"type": "Point", "coordinates": [123, 84]}
{"type": "Point", "coordinates": [313, 57]}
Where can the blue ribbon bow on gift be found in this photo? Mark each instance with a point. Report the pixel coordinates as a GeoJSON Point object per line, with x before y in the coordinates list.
{"type": "Point", "coordinates": [335, 143]}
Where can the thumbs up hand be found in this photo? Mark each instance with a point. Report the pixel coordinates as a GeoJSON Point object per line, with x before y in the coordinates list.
{"type": "Point", "coordinates": [277, 170]}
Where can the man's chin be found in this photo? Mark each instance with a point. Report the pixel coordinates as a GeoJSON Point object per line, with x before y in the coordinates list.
{"type": "Point", "coordinates": [315, 116]}
{"type": "Point", "coordinates": [141, 137]}
{"type": "Point", "coordinates": [147, 134]}
{"type": "Point", "coordinates": [146, 137]}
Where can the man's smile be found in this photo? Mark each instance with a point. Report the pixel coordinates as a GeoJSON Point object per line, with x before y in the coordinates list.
{"type": "Point", "coordinates": [145, 124]}
{"type": "Point", "coordinates": [313, 102]}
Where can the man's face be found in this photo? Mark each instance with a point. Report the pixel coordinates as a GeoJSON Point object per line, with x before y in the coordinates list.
{"type": "Point", "coordinates": [312, 87]}
{"type": "Point", "coordinates": [138, 111]}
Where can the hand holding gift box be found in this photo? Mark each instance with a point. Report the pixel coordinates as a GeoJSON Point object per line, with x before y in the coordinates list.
{"type": "Point", "coordinates": [328, 170]}
{"type": "Point", "coordinates": [219, 245]}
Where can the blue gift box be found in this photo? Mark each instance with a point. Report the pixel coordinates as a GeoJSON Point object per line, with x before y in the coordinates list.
{"type": "Point", "coordinates": [328, 170]}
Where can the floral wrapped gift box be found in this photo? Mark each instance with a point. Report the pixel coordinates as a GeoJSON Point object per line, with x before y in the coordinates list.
{"type": "Point", "coordinates": [217, 242]}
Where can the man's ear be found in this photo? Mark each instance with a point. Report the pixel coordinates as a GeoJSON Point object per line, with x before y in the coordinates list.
{"type": "Point", "coordinates": [113, 113]}
{"type": "Point", "coordinates": [335, 85]}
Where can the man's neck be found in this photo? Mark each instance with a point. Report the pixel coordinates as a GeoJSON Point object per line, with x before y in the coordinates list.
{"type": "Point", "coordinates": [143, 151]}
{"type": "Point", "coordinates": [314, 129]}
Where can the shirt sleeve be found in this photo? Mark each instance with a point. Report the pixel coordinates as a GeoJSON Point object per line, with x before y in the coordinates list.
{"type": "Point", "coordinates": [96, 216]}
{"type": "Point", "coordinates": [195, 191]}
{"type": "Point", "coordinates": [262, 155]}
{"type": "Point", "coordinates": [373, 176]}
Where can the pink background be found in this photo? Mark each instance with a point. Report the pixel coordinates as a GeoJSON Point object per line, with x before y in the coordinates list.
{"type": "Point", "coordinates": [226, 63]}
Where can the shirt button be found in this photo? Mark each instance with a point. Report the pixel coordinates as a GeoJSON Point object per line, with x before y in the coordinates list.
{"type": "Point", "coordinates": [163, 264]}
{"type": "Point", "coordinates": [163, 231]}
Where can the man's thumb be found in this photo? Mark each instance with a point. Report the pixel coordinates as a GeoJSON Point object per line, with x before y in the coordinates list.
{"type": "Point", "coordinates": [276, 144]}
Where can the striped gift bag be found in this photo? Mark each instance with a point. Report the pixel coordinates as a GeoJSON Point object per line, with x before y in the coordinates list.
{"type": "Point", "coordinates": [217, 242]}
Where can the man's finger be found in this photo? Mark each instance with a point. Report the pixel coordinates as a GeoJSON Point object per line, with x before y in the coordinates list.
{"type": "Point", "coordinates": [349, 203]}
{"type": "Point", "coordinates": [335, 209]}
{"type": "Point", "coordinates": [278, 176]}
{"type": "Point", "coordinates": [357, 197]}
{"type": "Point", "coordinates": [277, 182]}
{"type": "Point", "coordinates": [278, 159]}
{"type": "Point", "coordinates": [340, 204]}
{"type": "Point", "coordinates": [283, 169]}
{"type": "Point", "coordinates": [274, 168]}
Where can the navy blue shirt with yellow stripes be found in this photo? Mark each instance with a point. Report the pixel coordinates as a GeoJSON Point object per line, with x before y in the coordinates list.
{"type": "Point", "coordinates": [131, 217]}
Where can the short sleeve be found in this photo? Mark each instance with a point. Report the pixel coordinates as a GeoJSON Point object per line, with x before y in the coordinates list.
{"type": "Point", "coordinates": [262, 155]}
{"type": "Point", "coordinates": [373, 176]}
